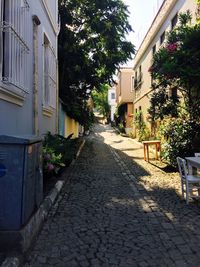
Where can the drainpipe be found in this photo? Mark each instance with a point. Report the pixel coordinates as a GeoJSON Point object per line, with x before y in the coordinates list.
{"type": "Point", "coordinates": [36, 23]}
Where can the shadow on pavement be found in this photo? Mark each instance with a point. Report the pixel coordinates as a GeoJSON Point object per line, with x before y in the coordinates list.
{"type": "Point", "coordinates": [119, 211]}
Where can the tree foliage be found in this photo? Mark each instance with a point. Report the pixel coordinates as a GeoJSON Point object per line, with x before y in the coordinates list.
{"type": "Point", "coordinates": [92, 45]}
{"type": "Point", "coordinates": [182, 138]}
{"type": "Point", "coordinates": [177, 64]}
{"type": "Point", "coordinates": [100, 100]}
{"type": "Point", "coordinates": [161, 105]}
{"type": "Point", "coordinates": [198, 11]}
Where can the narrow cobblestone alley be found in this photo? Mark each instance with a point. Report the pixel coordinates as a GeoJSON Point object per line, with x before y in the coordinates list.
{"type": "Point", "coordinates": [118, 210]}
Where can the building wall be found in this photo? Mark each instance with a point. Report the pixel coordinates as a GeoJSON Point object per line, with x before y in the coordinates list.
{"type": "Point", "coordinates": [112, 102]}
{"type": "Point", "coordinates": [71, 127]}
{"type": "Point", "coordinates": [17, 107]}
{"type": "Point", "coordinates": [61, 124]}
{"type": "Point", "coordinates": [124, 86]}
{"type": "Point", "coordinates": [143, 58]}
{"type": "Point", "coordinates": [124, 96]}
{"type": "Point", "coordinates": [129, 115]}
{"type": "Point", "coordinates": [67, 125]}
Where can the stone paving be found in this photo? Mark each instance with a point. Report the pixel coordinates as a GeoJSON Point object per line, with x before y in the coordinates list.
{"type": "Point", "coordinates": [118, 210]}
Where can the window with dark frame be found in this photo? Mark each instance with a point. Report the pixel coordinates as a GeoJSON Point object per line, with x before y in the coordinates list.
{"type": "Point", "coordinates": [154, 49]}
{"type": "Point", "coordinates": [140, 74]}
{"type": "Point", "coordinates": [162, 38]}
{"type": "Point", "coordinates": [136, 75]}
{"type": "Point", "coordinates": [174, 21]}
{"type": "Point", "coordinates": [132, 83]}
{"type": "Point", "coordinates": [135, 80]}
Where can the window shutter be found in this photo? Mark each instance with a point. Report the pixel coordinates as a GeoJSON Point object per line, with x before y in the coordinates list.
{"type": "Point", "coordinates": [50, 75]}
{"type": "Point", "coordinates": [15, 43]}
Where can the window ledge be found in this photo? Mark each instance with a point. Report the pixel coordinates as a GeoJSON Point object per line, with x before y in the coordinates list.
{"type": "Point", "coordinates": [47, 111]}
{"type": "Point", "coordinates": [12, 96]}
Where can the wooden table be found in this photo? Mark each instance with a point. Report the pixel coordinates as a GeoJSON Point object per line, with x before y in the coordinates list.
{"type": "Point", "coordinates": [146, 144]}
{"type": "Point", "coordinates": [193, 164]}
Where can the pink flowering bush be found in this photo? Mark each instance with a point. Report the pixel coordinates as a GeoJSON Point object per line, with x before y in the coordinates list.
{"type": "Point", "coordinates": [52, 162]}
{"type": "Point", "coordinates": [172, 47]}
{"type": "Point", "coordinates": [58, 152]}
{"type": "Point", "coordinates": [50, 167]}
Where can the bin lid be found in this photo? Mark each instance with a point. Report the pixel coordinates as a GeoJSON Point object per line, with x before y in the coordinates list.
{"type": "Point", "coordinates": [21, 139]}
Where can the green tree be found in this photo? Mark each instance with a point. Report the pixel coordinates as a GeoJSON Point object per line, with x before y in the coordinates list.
{"type": "Point", "coordinates": [101, 101]}
{"type": "Point", "coordinates": [198, 11]}
{"type": "Point", "coordinates": [92, 45]}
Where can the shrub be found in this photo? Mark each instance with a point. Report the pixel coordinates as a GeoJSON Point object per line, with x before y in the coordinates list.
{"type": "Point", "coordinates": [142, 130]}
{"type": "Point", "coordinates": [58, 152]}
{"type": "Point", "coordinates": [180, 138]}
{"type": "Point", "coordinates": [52, 162]}
{"type": "Point", "coordinates": [121, 128]}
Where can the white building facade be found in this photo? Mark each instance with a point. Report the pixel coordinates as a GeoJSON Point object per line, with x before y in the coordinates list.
{"type": "Point", "coordinates": [112, 102]}
{"type": "Point", "coordinates": [28, 67]}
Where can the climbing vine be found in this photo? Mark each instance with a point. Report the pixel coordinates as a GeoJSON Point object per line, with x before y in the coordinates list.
{"type": "Point", "coordinates": [142, 130]}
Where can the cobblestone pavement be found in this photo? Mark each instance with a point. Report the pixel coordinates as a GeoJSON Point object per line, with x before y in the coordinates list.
{"type": "Point", "coordinates": [118, 210]}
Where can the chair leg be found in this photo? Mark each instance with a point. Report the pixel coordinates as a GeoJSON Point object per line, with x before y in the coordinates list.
{"type": "Point", "coordinates": [182, 187]}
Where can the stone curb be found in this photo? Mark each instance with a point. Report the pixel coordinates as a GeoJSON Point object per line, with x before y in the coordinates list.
{"type": "Point", "coordinates": [39, 217]}
{"type": "Point", "coordinates": [78, 152]}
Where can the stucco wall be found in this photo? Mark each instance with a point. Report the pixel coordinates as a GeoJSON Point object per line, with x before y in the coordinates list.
{"type": "Point", "coordinates": [71, 127]}
{"type": "Point", "coordinates": [125, 90]}
{"type": "Point", "coordinates": [16, 108]}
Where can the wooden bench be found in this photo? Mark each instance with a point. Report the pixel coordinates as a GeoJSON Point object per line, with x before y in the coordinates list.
{"type": "Point", "coordinates": [146, 144]}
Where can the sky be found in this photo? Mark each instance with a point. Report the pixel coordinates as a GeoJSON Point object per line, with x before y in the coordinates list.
{"type": "Point", "coordinates": [142, 13]}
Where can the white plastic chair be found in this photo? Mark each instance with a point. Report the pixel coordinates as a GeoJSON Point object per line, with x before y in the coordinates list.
{"type": "Point", "coordinates": [197, 154]}
{"type": "Point", "coordinates": [190, 184]}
